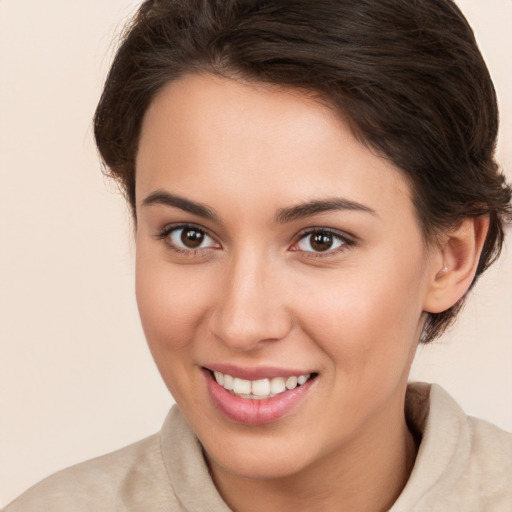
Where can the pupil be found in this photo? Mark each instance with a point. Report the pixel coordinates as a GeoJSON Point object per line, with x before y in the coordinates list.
{"type": "Point", "coordinates": [192, 238]}
{"type": "Point", "coordinates": [321, 241]}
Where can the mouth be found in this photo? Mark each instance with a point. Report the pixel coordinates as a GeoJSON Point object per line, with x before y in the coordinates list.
{"type": "Point", "coordinates": [260, 389]}
{"type": "Point", "coordinates": [257, 397]}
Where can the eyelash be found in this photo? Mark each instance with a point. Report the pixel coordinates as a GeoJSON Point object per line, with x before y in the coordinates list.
{"type": "Point", "coordinates": [168, 230]}
{"type": "Point", "coordinates": [346, 241]}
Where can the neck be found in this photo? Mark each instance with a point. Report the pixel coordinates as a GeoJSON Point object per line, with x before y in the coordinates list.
{"type": "Point", "coordinates": [368, 474]}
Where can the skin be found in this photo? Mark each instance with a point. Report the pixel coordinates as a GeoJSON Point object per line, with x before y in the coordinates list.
{"type": "Point", "coordinates": [256, 294]}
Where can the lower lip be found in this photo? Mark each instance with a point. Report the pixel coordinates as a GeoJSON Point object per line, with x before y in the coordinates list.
{"type": "Point", "coordinates": [255, 411]}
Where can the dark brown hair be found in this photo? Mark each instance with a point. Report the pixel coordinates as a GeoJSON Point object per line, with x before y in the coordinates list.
{"type": "Point", "coordinates": [406, 75]}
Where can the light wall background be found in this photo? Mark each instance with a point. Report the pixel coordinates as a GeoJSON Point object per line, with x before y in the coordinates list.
{"type": "Point", "coordinates": [76, 378]}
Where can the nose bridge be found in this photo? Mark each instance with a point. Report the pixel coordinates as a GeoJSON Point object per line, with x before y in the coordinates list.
{"type": "Point", "coordinates": [250, 309]}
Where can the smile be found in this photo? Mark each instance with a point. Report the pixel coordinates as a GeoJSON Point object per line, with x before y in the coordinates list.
{"type": "Point", "coordinates": [257, 396]}
{"type": "Point", "coordinates": [259, 389]}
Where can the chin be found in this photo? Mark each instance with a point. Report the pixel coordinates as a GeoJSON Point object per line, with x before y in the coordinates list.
{"type": "Point", "coordinates": [267, 453]}
{"type": "Point", "coordinates": [258, 465]}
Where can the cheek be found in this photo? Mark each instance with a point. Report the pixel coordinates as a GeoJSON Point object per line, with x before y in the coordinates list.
{"type": "Point", "coordinates": [365, 320]}
{"type": "Point", "coordinates": [171, 308]}
{"type": "Point", "coordinates": [171, 304]}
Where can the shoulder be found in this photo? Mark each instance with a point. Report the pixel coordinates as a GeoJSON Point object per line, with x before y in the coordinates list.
{"type": "Point", "coordinates": [106, 483]}
{"type": "Point", "coordinates": [163, 473]}
{"type": "Point", "coordinates": [463, 463]}
{"type": "Point", "coordinates": [483, 449]}
{"type": "Point", "coordinates": [490, 461]}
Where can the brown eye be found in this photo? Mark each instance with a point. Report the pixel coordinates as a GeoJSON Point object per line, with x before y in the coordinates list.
{"type": "Point", "coordinates": [189, 238]}
{"type": "Point", "coordinates": [320, 241]}
{"type": "Point", "coordinates": [192, 238]}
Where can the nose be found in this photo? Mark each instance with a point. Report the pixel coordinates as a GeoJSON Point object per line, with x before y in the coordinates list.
{"type": "Point", "coordinates": [250, 309]}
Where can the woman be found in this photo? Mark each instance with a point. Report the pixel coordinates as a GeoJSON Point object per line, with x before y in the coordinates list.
{"type": "Point", "coordinates": [314, 192]}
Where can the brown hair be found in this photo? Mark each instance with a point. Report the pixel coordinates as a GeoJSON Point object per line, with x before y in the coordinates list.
{"type": "Point", "coordinates": [406, 75]}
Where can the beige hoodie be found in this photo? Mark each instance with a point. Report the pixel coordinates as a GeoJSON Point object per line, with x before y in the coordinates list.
{"type": "Point", "coordinates": [463, 465]}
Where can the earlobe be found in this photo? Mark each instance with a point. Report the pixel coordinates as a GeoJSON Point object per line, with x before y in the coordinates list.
{"type": "Point", "coordinates": [459, 251]}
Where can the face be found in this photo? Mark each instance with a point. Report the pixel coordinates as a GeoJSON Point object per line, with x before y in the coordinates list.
{"type": "Point", "coordinates": [276, 251]}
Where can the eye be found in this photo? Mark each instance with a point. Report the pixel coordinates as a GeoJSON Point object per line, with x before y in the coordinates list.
{"type": "Point", "coordinates": [321, 241]}
{"type": "Point", "coordinates": [188, 238]}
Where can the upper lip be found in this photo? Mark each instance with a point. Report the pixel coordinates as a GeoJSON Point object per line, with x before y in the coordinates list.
{"type": "Point", "coordinates": [255, 373]}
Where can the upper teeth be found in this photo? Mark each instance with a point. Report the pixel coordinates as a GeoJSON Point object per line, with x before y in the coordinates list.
{"type": "Point", "coordinates": [263, 388]}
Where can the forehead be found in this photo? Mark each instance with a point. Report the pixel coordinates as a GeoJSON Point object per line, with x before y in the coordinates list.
{"type": "Point", "coordinates": [205, 135]}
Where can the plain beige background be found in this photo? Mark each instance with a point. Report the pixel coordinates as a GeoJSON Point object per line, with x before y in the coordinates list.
{"type": "Point", "coordinates": [76, 379]}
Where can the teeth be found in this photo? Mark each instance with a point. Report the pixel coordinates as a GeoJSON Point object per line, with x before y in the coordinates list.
{"type": "Point", "coordinates": [228, 382]}
{"type": "Point", "coordinates": [291, 382]}
{"type": "Point", "coordinates": [302, 379]}
{"type": "Point", "coordinates": [277, 385]}
{"type": "Point", "coordinates": [241, 386]}
{"type": "Point", "coordinates": [261, 387]}
{"type": "Point", "coordinates": [258, 389]}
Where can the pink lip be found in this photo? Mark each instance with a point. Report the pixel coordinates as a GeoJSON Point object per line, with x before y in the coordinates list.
{"type": "Point", "coordinates": [255, 373]}
{"type": "Point", "coordinates": [254, 412]}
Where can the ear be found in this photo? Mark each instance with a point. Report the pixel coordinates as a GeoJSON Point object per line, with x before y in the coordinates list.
{"type": "Point", "coordinates": [454, 263]}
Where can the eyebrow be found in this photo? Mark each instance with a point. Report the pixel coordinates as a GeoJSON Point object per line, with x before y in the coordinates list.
{"type": "Point", "coordinates": [284, 215]}
{"type": "Point", "coordinates": [167, 199]}
{"type": "Point", "coordinates": [315, 207]}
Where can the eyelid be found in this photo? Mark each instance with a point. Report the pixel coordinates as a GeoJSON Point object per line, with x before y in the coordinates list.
{"type": "Point", "coordinates": [346, 239]}
{"type": "Point", "coordinates": [168, 229]}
